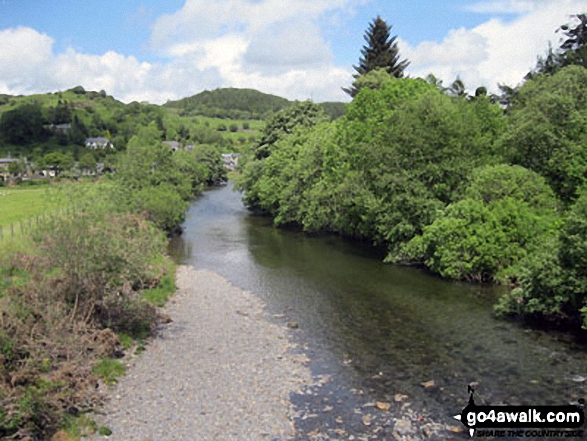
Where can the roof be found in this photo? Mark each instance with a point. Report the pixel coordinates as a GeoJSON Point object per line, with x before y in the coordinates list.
{"type": "Point", "coordinates": [97, 140]}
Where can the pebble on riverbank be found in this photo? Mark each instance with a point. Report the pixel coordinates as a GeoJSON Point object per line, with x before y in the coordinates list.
{"type": "Point", "coordinates": [219, 370]}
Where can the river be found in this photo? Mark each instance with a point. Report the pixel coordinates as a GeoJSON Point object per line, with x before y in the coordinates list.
{"type": "Point", "coordinates": [379, 330]}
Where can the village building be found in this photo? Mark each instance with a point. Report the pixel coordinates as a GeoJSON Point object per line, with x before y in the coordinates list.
{"type": "Point", "coordinates": [98, 143]}
{"type": "Point", "coordinates": [230, 160]}
{"type": "Point", "coordinates": [173, 145]}
{"type": "Point", "coordinates": [4, 164]}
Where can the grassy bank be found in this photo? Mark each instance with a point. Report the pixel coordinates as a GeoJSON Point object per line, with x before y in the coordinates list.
{"type": "Point", "coordinates": [82, 288]}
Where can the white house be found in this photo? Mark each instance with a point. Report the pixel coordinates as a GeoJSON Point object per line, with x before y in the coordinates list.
{"type": "Point", "coordinates": [98, 143]}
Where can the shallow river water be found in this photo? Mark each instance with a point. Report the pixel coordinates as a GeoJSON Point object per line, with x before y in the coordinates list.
{"type": "Point", "coordinates": [379, 330]}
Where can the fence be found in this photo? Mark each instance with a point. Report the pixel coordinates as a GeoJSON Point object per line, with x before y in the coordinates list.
{"type": "Point", "coordinates": [27, 226]}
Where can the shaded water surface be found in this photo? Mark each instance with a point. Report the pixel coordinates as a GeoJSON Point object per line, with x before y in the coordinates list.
{"type": "Point", "coordinates": [377, 328]}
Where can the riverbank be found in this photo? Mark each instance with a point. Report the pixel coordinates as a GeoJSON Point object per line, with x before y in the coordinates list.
{"type": "Point", "coordinates": [219, 370]}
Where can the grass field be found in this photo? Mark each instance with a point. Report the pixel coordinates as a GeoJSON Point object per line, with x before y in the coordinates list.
{"type": "Point", "coordinates": [23, 203]}
{"type": "Point", "coordinates": [255, 126]}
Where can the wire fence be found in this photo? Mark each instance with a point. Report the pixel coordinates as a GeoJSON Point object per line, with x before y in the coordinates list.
{"type": "Point", "coordinates": [27, 226]}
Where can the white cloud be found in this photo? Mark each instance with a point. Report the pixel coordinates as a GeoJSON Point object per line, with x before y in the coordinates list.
{"type": "Point", "coordinates": [271, 45]}
{"type": "Point", "coordinates": [280, 47]}
{"type": "Point", "coordinates": [496, 51]}
{"type": "Point", "coordinates": [276, 46]}
{"type": "Point", "coordinates": [39, 70]}
{"type": "Point", "coordinates": [204, 19]}
{"type": "Point", "coordinates": [18, 66]}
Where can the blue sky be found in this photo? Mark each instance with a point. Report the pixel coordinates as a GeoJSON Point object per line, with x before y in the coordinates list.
{"type": "Point", "coordinates": [154, 50]}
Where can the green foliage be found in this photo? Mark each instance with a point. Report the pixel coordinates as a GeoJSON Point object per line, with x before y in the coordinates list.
{"type": "Point", "coordinates": [547, 129]}
{"type": "Point", "coordinates": [209, 157]}
{"type": "Point", "coordinates": [165, 288]}
{"type": "Point", "coordinates": [162, 205]}
{"type": "Point", "coordinates": [279, 127]}
{"type": "Point", "coordinates": [373, 79]}
{"type": "Point", "coordinates": [553, 281]}
{"type": "Point", "coordinates": [150, 182]}
{"type": "Point", "coordinates": [23, 125]}
{"type": "Point", "coordinates": [382, 172]}
{"type": "Point", "coordinates": [334, 110]}
{"type": "Point", "coordinates": [299, 115]}
{"type": "Point", "coordinates": [230, 103]}
{"type": "Point", "coordinates": [87, 162]}
{"type": "Point", "coordinates": [507, 213]}
{"type": "Point", "coordinates": [109, 370]}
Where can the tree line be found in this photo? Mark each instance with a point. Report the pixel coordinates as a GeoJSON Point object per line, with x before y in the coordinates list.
{"type": "Point", "coordinates": [470, 188]}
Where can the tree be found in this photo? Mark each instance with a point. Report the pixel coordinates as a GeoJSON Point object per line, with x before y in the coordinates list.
{"type": "Point", "coordinates": [16, 168]}
{"type": "Point", "coordinates": [23, 125]}
{"type": "Point", "coordinates": [381, 51]}
{"type": "Point", "coordinates": [572, 51]}
{"type": "Point", "coordinates": [457, 88]}
{"type": "Point", "coordinates": [372, 80]}
{"type": "Point", "coordinates": [547, 129]}
{"type": "Point", "coordinates": [575, 45]}
{"type": "Point", "coordinates": [87, 162]}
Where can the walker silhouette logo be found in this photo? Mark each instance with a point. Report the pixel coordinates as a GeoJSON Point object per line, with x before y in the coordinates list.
{"type": "Point", "coordinates": [522, 421]}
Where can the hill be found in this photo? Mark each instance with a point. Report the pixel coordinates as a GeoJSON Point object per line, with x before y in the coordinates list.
{"type": "Point", "coordinates": [36, 125]}
{"type": "Point", "coordinates": [231, 103]}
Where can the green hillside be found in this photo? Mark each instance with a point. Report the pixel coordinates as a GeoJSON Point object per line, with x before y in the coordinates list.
{"type": "Point", "coordinates": [35, 126]}
{"type": "Point", "coordinates": [231, 103]}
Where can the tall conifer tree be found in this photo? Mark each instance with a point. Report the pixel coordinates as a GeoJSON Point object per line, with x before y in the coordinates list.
{"type": "Point", "coordinates": [380, 52]}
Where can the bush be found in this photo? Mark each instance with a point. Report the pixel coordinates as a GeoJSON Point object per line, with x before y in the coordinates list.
{"type": "Point", "coordinates": [553, 281]}
{"type": "Point", "coordinates": [233, 128]}
{"type": "Point", "coordinates": [507, 213]}
{"type": "Point", "coordinates": [101, 259]}
{"type": "Point", "coordinates": [221, 128]}
{"type": "Point", "coordinates": [161, 205]}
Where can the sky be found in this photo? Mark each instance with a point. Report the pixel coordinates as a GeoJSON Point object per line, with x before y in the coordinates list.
{"type": "Point", "coordinates": [147, 50]}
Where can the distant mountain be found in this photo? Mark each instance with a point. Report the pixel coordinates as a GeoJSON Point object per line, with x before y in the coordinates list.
{"type": "Point", "coordinates": [230, 103]}
{"type": "Point", "coordinates": [234, 103]}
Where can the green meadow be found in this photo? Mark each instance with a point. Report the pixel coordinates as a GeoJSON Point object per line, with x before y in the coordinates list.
{"type": "Point", "coordinates": [23, 203]}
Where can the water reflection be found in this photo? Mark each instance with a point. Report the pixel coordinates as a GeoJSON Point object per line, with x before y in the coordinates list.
{"type": "Point", "coordinates": [399, 326]}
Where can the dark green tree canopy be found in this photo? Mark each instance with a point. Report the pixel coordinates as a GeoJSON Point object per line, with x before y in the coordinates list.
{"type": "Point", "coordinates": [380, 52]}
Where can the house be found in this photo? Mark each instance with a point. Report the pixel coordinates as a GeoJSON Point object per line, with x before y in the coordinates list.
{"type": "Point", "coordinates": [58, 128]}
{"type": "Point", "coordinates": [230, 160]}
{"type": "Point", "coordinates": [173, 145]}
{"type": "Point", "coordinates": [98, 143]}
{"type": "Point", "coordinates": [4, 163]}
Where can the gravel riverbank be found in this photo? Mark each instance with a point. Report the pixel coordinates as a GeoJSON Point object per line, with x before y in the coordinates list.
{"type": "Point", "coordinates": [221, 370]}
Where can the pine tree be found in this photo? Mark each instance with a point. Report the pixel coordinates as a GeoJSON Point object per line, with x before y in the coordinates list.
{"type": "Point", "coordinates": [380, 52]}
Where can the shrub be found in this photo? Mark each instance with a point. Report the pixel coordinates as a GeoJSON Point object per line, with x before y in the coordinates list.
{"type": "Point", "coordinates": [97, 254]}
{"type": "Point", "coordinates": [507, 214]}
{"type": "Point", "coordinates": [553, 281]}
